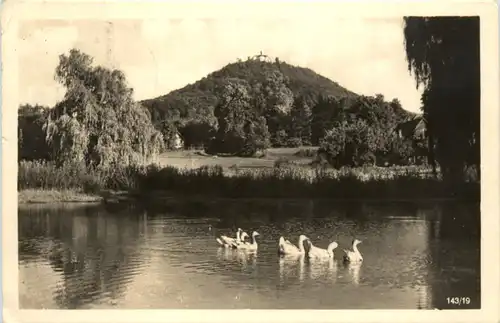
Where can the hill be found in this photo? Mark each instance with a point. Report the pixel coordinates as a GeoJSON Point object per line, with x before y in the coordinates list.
{"type": "Point", "coordinates": [201, 95]}
{"type": "Point", "coordinates": [273, 90]}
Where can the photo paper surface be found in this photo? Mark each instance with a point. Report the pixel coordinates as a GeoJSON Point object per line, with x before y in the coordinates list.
{"type": "Point", "coordinates": [278, 158]}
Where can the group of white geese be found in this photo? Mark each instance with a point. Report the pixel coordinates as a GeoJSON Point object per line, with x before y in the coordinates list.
{"type": "Point", "coordinates": [285, 247]}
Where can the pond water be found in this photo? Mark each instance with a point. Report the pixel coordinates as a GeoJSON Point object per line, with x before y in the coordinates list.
{"type": "Point", "coordinates": [415, 256]}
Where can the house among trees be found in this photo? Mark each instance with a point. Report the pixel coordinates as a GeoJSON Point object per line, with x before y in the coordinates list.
{"type": "Point", "coordinates": [415, 132]}
{"type": "Point", "coordinates": [412, 129]}
{"type": "Point", "coordinates": [178, 143]}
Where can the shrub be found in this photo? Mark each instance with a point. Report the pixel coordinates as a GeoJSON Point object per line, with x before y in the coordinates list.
{"type": "Point", "coordinates": [45, 175]}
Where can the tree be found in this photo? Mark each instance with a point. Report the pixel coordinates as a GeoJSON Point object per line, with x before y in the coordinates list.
{"type": "Point", "coordinates": [98, 121]}
{"type": "Point", "coordinates": [402, 150]}
{"type": "Point", "coordinates": [359, 130]}
{"type": "Point", "coordinates": [197, 133]}
{"type": "Point", "coordinates": [169, 132]}
{"type": "Point", "coordinates": [241, 131]}
{"type": "Point", "coordinates": [324, 114]}
{"type": "Point", "coordinates": [69, 139]}
{"type": "Point", "coordinates": [381, 118]}
{"type": "Point", "coordinates": [443, 55]}
{"type": "Point", "coordinates": [31, 142]}
{"type": "Point", "coordinates": [349, 143]}
{"type": "Point", "coordinates": [278, 103]}
{"type": "Point", "coordinates": [300, 124]}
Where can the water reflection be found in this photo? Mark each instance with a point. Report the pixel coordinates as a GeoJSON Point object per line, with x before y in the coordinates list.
{"type": "Point", "coordinates": [247, 259]}
{"type": "Point", "coordinates": [290, 267]}
{"type": "Point", "coordinates": [95, 255]}
{"type": "Point", "coordinates": [129, 258]}
{"type": "Point", "coordinates": [354, 269]}
{"type": "Point", "coordinates": [323, 268]}
{"type": "Point", "coordinates": [300, 267]}
{"type": "Point", "coordinates": [424, 297]}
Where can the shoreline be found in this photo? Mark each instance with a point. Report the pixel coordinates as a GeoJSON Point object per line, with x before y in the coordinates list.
{"type": "Point", "coordinates": [41, 197]}
{"type": "Point", "coordinates": [155, 184]}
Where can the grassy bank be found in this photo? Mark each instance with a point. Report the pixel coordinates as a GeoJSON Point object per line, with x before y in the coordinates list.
{"type": "Point", "coordinates": [286, 181]}
{"type": "Point", "coordinates": [29, 196]}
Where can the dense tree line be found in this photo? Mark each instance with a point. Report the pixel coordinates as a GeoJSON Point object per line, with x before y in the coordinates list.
{"type": "Point", "coordinates": [252, 106]}
{"type": "Point", "coordinates": [350, 130]}
{"type": "Point", "coordinates": [362, 131]}
{"type": "Point", "coordinates": [272, 86]}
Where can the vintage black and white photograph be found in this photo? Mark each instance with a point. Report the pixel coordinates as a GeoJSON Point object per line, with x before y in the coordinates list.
{"type": "Point", "coordinates": [243, 163]}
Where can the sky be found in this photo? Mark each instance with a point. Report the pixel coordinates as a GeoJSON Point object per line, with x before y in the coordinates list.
{"type": "Point", "coordinates": [365, 56]}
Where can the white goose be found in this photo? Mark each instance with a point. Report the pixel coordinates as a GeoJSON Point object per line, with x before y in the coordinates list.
{"type": "Point", "coordinates": [247, 245]}
{"type": "Point", "coordinates": [227, 242]}
{"type": "Point", "coordinates": [243, 236]}
{"type": "Point", "coordinates": [285, 247]}
{"type": "Point", "coordinates": [353, 256]}
{"type": "Point", "coordinates": [318, 253]}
